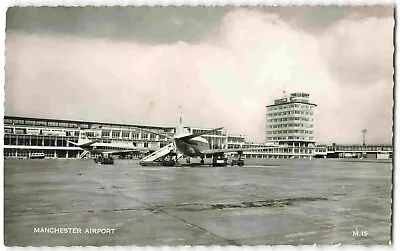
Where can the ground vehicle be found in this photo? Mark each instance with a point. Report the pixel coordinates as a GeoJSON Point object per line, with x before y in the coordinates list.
{"type": "Point", "coordinates": [219, 160]}
{"type": "Point", "coordinates": [238, 162]}
{"type": "Point", "coordinates": [36, 156]}
{"type": "Point", "coordinates": [104, 160]}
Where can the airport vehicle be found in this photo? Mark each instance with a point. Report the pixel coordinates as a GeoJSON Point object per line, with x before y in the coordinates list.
{"type": "Point", "coordinates": [106, 149]}
{"type": "Point", "coordinates": [193, 145]}
{"type": "Point", "coordinates": [104, 160]}
{"type": "Point", "coordinates": [36, 156]}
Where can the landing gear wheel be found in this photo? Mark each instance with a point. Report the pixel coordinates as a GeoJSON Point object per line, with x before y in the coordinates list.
{"type": "Point", "coordinates": [202, 161]}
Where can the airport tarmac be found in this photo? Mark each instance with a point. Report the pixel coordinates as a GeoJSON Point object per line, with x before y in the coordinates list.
{"type": "Point", "coordinates": [267, 202]}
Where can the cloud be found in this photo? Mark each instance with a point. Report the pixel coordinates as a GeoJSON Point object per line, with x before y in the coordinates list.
{"type": "Point", "coordinates": [356, 49]}
{"type": "Point", "coordinates": [358, 54]}
{"type": "Point", "coordinates": [225, 80]}
{"type": "Point", "coordinates": [168, 24]}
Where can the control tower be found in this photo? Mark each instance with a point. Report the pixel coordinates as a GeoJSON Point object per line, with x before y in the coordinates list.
{"type": "Point", "coordinates": [290, 121]}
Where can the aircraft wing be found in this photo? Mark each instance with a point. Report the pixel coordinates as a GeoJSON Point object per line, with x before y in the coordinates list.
{"type": "Point", "coordinates": [127, 151]}
{"type": "Point", "coordinates": [73, 143]}
{"type": "Point", "coordinates": [120, 151]}
{"type": "Point", "coordinates": [231, 150]}
{"type": "Point", "coordinates": [86, 144]}
{"type": "Point", "coordinates": [191, 136]}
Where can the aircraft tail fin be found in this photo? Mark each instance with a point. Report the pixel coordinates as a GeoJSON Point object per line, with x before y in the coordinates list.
{"type": "Point", "coordinates": [180, 130]}
{"type": "Point", "coordinates": [83, 139]}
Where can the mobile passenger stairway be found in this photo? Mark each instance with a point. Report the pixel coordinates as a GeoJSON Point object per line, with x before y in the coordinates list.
{"type": "Point", "coordinates": [166, 156]}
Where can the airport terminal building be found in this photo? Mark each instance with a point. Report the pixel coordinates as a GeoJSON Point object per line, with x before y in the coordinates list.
{"type": "Point", "coordinates": [24, 136]}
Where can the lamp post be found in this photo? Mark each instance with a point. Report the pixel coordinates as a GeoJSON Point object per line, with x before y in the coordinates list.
{"type": "Point", "coordinates": [364, 154]}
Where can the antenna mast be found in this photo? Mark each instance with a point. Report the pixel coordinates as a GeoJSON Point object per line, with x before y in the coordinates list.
{"type": "Point", "coordinates": [181, 114]}
{"type": "Point", "coordinates": [364, 132]}
{"type": "Point", "coordinates": [284, 90]}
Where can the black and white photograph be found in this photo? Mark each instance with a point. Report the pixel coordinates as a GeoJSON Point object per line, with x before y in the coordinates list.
{"type": "Point", "coordinates": [198, 125]}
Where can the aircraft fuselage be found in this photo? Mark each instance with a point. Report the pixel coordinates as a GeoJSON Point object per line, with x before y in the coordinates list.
{"type": "Point", "coordinates": [104, 147]}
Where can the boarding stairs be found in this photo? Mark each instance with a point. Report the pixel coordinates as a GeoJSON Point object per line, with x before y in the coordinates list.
{"type": "Point", "coordinates": [83, 154]}
{"type": "Point", "coordinates": [159, 155]}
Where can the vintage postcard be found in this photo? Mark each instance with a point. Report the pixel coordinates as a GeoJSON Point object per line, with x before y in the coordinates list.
{"type": "Point", "coordinates": [199, 126]}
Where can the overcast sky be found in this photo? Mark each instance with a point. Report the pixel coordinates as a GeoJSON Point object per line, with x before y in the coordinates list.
{"type": "Point", "coordinates": [222, 65]}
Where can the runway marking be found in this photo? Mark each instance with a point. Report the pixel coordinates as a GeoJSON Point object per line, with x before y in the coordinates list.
{"type": "Point", "coordinates": [184, 173]}
{"type": "Point", "coordinates": [157, 210]}
{"type": "Point", "coordinates": [245, 204]}
{"type": "Point", "coordinates": [203, 229]}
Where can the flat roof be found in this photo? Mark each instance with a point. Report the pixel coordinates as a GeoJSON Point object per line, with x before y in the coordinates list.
{"type": "Point", "coordinates": [84, 122]}
{"type": "Point", "coordinates": [291, 102]}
